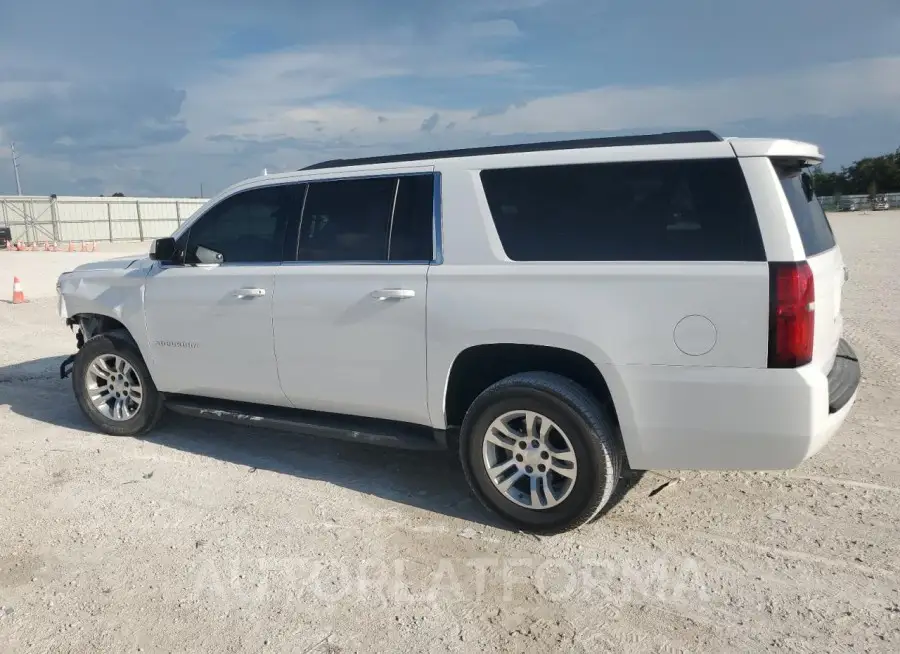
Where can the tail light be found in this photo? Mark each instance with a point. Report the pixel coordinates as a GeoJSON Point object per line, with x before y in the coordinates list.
{"type": "Point", "coordinates": [792, 315]}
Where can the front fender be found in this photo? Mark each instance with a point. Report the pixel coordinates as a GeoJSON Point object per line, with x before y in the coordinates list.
{"type": "Point", "coordinates": [114, 294]}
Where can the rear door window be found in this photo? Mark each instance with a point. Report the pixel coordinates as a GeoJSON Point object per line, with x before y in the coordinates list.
{"type": "Point", "coordinates": [412, 225]}
{"type": "Point", "coordinates": [812, 223]}
{"type": "Point", "coordinates": [686, 210]}
{"type": "Point", "coordinates": [347, 220]}
{"type": "Point", "coordinates": [366, 220]}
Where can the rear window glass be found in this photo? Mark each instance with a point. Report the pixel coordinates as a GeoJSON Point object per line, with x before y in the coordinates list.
{"type": "Point", "coordinates": [689, 210]}
{"type": "Point", "coordinates": [812, 223]}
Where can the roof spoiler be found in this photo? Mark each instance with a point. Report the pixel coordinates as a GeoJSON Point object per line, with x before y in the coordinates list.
{"type": "Point", "coordinates": [777, 149]}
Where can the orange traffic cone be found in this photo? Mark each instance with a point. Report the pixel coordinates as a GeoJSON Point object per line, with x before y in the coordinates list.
{"type": "Point", "coordinates": [18, 293]}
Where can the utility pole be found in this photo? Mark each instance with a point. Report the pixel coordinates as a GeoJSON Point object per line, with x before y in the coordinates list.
{"type": "Point", "coordinates": [15, 158]}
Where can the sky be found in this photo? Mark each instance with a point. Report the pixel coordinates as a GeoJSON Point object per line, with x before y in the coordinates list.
{"type": "Point", "coordinates": [163, 97]}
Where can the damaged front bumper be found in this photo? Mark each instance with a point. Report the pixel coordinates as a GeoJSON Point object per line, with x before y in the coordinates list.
{"type": "Point", "coordinates": [65, 368]}
{"type": "Point", "coordinates": [61, 309]}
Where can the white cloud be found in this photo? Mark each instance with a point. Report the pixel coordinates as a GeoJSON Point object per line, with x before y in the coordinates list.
{"type": "Point", "coordinates": [373, 85]}
{"type": "Point", "coordinates": [495, 29]}
{"type": "Point", "coordinates": [490, 6]}
{"type": "Point", "coordinates": [836, 90]}
{"type": "Point", "coordinates": [261, 94]}
{"type": "Point", "coordinates": [22, 90]}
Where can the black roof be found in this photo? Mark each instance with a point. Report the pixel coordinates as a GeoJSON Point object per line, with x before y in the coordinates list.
{"type": "Point", "coordinates": [700, 136]}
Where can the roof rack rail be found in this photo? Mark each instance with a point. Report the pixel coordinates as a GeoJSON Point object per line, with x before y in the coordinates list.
{"type": "Point", "coordinates": [666, 138]}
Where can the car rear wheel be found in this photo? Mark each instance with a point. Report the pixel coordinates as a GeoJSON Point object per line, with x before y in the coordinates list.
{"type": "Point", "coordinates": [113, 386]}
{"type": "Point", "coordinates": [540, 451]}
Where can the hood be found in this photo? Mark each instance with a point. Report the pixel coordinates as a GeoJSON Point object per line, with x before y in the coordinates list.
{"type": "Point", "coordinates": [117, 263]}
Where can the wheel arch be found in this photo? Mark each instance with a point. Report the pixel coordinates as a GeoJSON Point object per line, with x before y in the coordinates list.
{"type": "Point", "coordinates": [477, 366]}
{"type": "Point", "coordinates": [93, 323]}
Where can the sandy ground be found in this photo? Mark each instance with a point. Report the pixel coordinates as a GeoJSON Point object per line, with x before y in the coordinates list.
{"type": "Point", "coordinates": [218, 539]}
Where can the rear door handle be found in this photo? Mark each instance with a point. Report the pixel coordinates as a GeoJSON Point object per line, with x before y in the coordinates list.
{"type": "Point", "coordinates": [393, 294]}
{"type": "Point", "coordinates": [249, 292]}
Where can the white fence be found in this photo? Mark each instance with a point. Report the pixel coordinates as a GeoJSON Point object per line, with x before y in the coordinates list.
{"type": "Point", "coordinates": [78, 219]}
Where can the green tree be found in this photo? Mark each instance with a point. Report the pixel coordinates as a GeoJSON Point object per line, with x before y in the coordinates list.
{"type": "Point", "coordinates": [860, 178]}
{"type": "Point", "coordinates": [827, 183]}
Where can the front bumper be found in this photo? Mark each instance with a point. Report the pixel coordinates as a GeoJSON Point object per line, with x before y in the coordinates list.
{"type": "Point", "coordinates": [65, 368]}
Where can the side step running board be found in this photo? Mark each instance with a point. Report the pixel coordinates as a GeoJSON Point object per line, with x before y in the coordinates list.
{"type": "Point", "coordinates": [360, 430]}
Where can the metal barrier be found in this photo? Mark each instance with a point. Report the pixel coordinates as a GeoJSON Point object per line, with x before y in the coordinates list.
{"type": "Point", "coordinates": [35, 219]}
{"type": "Point", "coordinates": [859, 202]}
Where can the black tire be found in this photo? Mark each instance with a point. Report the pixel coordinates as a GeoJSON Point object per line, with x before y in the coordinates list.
{"type": "Point", "coordinates": [121, 344]}
{"type": "Point", "coordinates": [586, 425]}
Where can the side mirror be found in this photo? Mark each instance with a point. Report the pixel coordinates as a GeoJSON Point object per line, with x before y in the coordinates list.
{"type": "Point", "coordinates": [163, 249]}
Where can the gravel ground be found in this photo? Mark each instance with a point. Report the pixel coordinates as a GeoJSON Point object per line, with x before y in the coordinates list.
{"type": "Point", "coordinates": [219, 539]}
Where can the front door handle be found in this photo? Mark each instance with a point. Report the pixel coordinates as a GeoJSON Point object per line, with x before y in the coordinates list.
{"type": "Point", "coordinates": [393, 294]}
{"type": "Point", "coordinates": [249, 292]}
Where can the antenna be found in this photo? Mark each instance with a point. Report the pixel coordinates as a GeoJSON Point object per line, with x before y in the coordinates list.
{"type": "Point", "coordinates": [15, 160]}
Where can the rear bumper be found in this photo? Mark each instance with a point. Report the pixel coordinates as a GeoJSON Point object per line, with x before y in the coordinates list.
{"type": "Point", "coordinates": [699, 418]}
{"type": "Point", "coordinates": [843, 380]}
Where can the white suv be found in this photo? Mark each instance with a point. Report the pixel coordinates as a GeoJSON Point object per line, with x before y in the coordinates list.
{"type": "Point", "coordinates": [557, 312]}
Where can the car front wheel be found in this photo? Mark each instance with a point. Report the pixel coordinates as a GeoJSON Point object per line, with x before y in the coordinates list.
{"type": "Point", "coordinates": [113, 386]}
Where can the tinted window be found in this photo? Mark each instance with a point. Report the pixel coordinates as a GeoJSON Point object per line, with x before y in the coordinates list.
{"type": "Point", "coordinates": [812, 223]}
{"type": "Point", "coordinates": [347, 220]}
{"type": "Point", "coordinates": [693, 210]}
{"type": "Point", "coordinates": [413, 225]}
{"type": "Point", "coordinates": [248, 227]}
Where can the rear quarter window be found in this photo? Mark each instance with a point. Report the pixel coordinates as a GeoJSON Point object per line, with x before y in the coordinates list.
{"type": "Point", "coordinates": [688, 210]}
{"type": "Point", "coordinates": [812, 223]}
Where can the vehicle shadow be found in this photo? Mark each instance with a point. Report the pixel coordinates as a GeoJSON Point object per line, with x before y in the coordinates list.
{"type": "Point", "coordinates": [429, 481]}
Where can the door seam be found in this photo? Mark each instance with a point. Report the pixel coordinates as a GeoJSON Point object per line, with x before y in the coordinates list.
{"type": "Point", "coordinates": [274, 342]}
